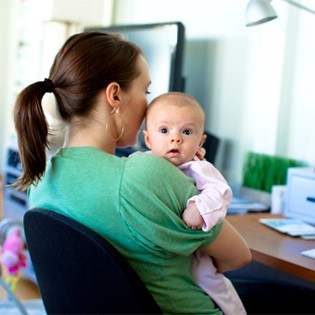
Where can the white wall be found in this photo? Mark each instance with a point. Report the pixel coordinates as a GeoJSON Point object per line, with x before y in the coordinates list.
{"type": "Point", "coordinates": [8, 13]}
{"type": "Point", "coordinates": [302, 126]}
{"type": "Point", "coordinates": [255, 83]}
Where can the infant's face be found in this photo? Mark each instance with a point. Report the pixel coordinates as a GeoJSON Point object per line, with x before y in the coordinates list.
{"type": "Point", "coordinates": [175, 133]}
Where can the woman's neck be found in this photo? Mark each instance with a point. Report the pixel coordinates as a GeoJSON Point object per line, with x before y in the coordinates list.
{"type": "Point", "coordinates": [92, 135]}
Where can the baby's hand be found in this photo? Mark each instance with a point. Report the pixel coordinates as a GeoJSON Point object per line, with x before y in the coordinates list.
{"type": "Point", "coordinates": [192, 217]}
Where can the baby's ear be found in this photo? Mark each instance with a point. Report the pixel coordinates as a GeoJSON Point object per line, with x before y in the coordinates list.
{"type": "Point", "coordinates": [202, 140]}
{"type": "Point", "coordinates": [146, 139]}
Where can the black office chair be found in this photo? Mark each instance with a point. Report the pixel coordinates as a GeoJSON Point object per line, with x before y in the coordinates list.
{"type": "Point", "coordinates": [211, 145]}
{"type": "Point", "coordinates": [79, 272]}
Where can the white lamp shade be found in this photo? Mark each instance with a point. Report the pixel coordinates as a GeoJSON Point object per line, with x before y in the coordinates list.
{"type": "Point", "coordinates": [259, 11]}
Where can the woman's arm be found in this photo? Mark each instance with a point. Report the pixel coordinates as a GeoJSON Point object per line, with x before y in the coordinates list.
{"type": "Point", "coordinates": [229, 250]}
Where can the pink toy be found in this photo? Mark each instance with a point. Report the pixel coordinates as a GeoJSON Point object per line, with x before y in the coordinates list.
{"type": "Point", "coordinates": [12, 253]}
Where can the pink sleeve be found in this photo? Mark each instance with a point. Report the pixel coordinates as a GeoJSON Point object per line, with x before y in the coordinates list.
{"type": "Point", "coordinates": [215, 195]}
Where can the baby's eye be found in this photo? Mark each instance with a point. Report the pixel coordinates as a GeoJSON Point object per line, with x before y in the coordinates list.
{"type": "Point", "coordinates": [147, 92]}
{"type": "Point", "coordinates": [163, 130]}
{"type": "Point", "coordinates": [187, 132]}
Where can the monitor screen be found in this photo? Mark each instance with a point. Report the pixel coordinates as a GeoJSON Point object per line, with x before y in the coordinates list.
{"type": "Point", "coordinates": [163, 48]}
{"type": "Point", "coordinates": [162, 45]}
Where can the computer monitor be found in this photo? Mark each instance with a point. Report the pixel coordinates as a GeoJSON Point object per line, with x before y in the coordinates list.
{"type": "Point", "coordinates": [163, 47]}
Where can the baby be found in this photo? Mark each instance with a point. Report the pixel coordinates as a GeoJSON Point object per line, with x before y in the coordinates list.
{"type": "Point", "coordinates": [175, 130]}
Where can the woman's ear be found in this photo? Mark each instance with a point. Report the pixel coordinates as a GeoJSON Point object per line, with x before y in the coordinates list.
{"type": "Point", "coordinates": [113, 94]}
{"type": "Point", "coordinates": [146, 139]}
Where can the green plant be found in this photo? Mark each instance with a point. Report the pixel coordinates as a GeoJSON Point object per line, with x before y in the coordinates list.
{"type": "Point", "coordinates": [262, 171]}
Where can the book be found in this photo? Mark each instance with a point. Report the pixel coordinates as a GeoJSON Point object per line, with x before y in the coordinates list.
{"type": "Point", "coordinates": [292, 227]}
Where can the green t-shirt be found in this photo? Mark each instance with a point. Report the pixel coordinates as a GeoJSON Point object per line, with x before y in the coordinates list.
{"type": "Point", "coordinates": [136, 204]}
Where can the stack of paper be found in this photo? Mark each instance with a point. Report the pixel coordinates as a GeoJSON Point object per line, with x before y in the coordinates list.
{"type": "Point", "coordinates": [291, 227]}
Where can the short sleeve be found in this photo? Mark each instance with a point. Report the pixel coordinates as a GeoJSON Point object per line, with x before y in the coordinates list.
{"type": "Point", "coordinates": [152, 197]}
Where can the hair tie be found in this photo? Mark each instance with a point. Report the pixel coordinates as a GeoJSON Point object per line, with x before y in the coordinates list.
{"type": "Point", "coordinates": [49, 86]}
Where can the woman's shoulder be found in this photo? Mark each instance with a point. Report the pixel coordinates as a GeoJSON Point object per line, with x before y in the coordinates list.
{"type": "Point", "coordinates": [141, 161]}
{"type": "Point", "coordinates": [143, 170]}
{"type": "Point", "coordinates": [145, 157]}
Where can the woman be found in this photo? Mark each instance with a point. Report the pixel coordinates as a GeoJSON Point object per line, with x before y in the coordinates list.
{"type": "Point", "coordinates": [100, 82]}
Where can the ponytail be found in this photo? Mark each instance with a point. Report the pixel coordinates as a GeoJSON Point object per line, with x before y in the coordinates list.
{"type": "Point", "coordinates": [32, 131]}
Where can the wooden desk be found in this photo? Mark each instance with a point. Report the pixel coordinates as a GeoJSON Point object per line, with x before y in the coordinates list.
{"type": "Point", "coordinates": [273, 248]}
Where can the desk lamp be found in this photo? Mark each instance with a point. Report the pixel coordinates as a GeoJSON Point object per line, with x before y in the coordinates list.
{"type": "Point", "coordinates": [261, 11]}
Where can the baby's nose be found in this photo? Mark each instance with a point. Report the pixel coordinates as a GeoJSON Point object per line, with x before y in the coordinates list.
{"type": "Point", "coordinates": [176, 139]}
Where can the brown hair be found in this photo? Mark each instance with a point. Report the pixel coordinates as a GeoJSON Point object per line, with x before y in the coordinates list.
{"type": "Point", "coordinates": [86, 64]}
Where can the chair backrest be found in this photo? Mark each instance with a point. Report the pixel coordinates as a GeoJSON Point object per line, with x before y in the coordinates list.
{"type": "Point", "coordinates": [79, 272]}
{"type": "Point", "coordinates": [211, 145]}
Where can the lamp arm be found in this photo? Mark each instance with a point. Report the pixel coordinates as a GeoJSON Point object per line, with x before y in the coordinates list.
{"type": "Point", "coordinates": [300, 6]}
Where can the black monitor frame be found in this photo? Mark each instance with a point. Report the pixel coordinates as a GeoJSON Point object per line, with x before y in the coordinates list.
{"type": "Point", "coordinates": [147, 36]}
